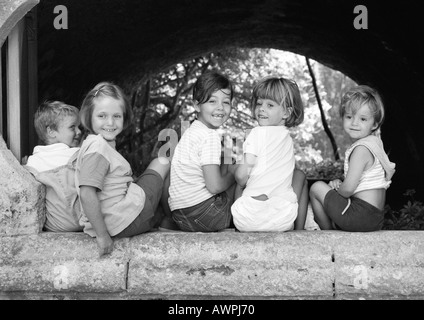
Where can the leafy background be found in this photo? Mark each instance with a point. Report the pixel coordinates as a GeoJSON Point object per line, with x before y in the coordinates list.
{"type": "Point", "coordinates": [163, 101]}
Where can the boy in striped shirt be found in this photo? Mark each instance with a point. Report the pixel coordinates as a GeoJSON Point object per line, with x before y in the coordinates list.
{"type": "Point", "coordinates": [201, 188]}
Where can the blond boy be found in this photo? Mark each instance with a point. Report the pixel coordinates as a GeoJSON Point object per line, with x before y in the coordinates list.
{"type": "Point", "coordinates": [52, 163]}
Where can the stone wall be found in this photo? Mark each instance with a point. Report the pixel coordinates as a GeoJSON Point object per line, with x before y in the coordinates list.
{"type": "Point", "coordinates": [21, 197]}
{"type": "Point", "coordinates": [161, 265]}
{"type": "Point", "coordinates": [22, 205]}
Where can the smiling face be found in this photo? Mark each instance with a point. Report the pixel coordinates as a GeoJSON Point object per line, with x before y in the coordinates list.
{"type": "Point", "coordinates": [270, 113]}
{"type": "Point", "coordinates": [107, 117]}
{"type": "Point", "coordinates": [216, 110]}
{"type": "Point", "coordinates": [67, 131]}
{"type": "Point", "coordinates": [359, 124]}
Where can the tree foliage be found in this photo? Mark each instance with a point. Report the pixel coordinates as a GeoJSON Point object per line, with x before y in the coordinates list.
{"type": "Point", "coordinates": [164, 101]}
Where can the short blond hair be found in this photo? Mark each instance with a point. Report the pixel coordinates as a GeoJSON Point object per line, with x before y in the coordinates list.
{"type": "Point", "coordinates": [356, 97]}
{"type": "Point", "coordinates": [49, 115]}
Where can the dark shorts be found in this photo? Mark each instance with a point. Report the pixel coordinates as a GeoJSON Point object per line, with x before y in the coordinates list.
{"type": "Point", "coordinates": [213, 214]}
{"type": "Point", "coordinates": [152, 183]}
{"type": "Point", "coordinates": [360, 216]}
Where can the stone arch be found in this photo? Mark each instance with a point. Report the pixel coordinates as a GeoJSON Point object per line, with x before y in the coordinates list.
{"type": "Point", "coordinates": [115, 40]}
{"type": "Point", "coordinates": [11, 12]}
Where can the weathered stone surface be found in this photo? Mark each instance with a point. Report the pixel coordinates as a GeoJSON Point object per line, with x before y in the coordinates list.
{"type": "Point", "coordinates": [11, 11]}
{"type": "Point", "coordinates": [22, 206]}
{"type": "Point", "coordinates": [379, 264]}
{"type": "Point", "coordinates": [61, 262]}
{"type": "Point", "coordinates": [232, 264]}
{"type": "Point", "coordinates": [2, 143]}
{"type": "Point", "coordinates": [160, 265]}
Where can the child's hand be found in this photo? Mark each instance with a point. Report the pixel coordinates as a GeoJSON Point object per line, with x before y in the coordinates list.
{"type": "Point", "coordinates": [104, 245]}
{"type": "Point", "coordinates": [335, 184]}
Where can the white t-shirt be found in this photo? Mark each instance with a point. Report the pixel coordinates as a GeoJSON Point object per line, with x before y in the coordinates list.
{"type": "Point", "coordinates": [272, 175]}
{"type": "Point", "coordinates": [198, 146]}
{"type": "Point", "coordinates": [53, 166]}
{"type": "Point", "coordinates": [50, 157]}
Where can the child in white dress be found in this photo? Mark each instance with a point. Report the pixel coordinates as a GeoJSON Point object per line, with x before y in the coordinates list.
{"type": "Point", "coordinates": [268, 202]}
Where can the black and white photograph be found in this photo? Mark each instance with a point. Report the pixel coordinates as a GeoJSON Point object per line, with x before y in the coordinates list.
{"type": "Point", "coordinates": [211, 157]}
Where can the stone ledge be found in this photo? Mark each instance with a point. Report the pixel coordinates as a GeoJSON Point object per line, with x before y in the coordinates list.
{"type": "Point", "coordinates": [225, 265]}
{"type": "Point", "coordinates": [22, 198]}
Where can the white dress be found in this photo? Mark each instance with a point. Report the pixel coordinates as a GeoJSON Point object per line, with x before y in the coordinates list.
{"type": "Point", "coordinates": [272, 175]}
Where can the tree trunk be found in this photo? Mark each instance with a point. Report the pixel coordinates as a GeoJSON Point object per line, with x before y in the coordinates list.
{"type": "Point", "coordinates": [321, 110]}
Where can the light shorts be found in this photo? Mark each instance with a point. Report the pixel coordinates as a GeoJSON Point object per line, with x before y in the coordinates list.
{"type": "Point", "coordinates": [213, 214]}
{"type": "Point", "coordinates": [152, 183]}
{"type": "Point", "coordinates": [360, 216]}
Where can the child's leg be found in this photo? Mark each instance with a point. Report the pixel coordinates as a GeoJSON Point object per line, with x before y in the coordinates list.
{"type": "Point", "coordinates": [300, 187]}
{"type": "Point", "coordinates": [317, 195]}
{"type": "Point", "coordinates": [152, 183]}
{"type": "Point", "coordinates": [162, 166]}
{"type": "Point", "coordinates": [238, 192]}
{"type": "Point", "coordinates": [231, 192]}
{"type": "Point", "coordinates": [164, 198]}
{"type": "Point", "coordinates": [167, 221]}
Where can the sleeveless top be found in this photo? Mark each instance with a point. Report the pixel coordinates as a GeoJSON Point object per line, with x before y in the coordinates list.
{"type": "Point", "coordinates": [373, 178]}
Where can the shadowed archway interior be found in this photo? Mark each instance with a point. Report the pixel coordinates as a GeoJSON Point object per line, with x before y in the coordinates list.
{"type": "Point", "coordinates": [124, 41]}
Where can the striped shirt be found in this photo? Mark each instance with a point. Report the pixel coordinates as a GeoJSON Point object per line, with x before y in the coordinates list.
{"type": "Point", "coordinates": [374, 177]}
{"type": "Point", "coordinates": [198, 146]}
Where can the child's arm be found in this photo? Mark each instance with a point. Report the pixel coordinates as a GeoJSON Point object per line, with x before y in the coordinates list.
{"type": "Point", "coordinates": [243, 170]}
{"type": "Point", "coordinates": [217, 179]}
{"type": "Point", "coordinates": [91, 205]}
{"type": "Point", "coordinates": [360, 160]}
{"type": "Point", "coordinates": [238, 191]}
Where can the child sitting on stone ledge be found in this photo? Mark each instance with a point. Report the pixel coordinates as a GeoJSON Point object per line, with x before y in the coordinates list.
{"type": "Point", "coordinates": [52, 164]}
{"type": "Point", "coordinates": [356, 204]}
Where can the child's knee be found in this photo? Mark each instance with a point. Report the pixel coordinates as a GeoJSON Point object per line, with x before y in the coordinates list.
{"type": "Point", "coordinates": [318, 188]}
{"type": "Point", "coordinates": [161, 165]}
{"type": "Point", "coordinates": [314, 187]}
